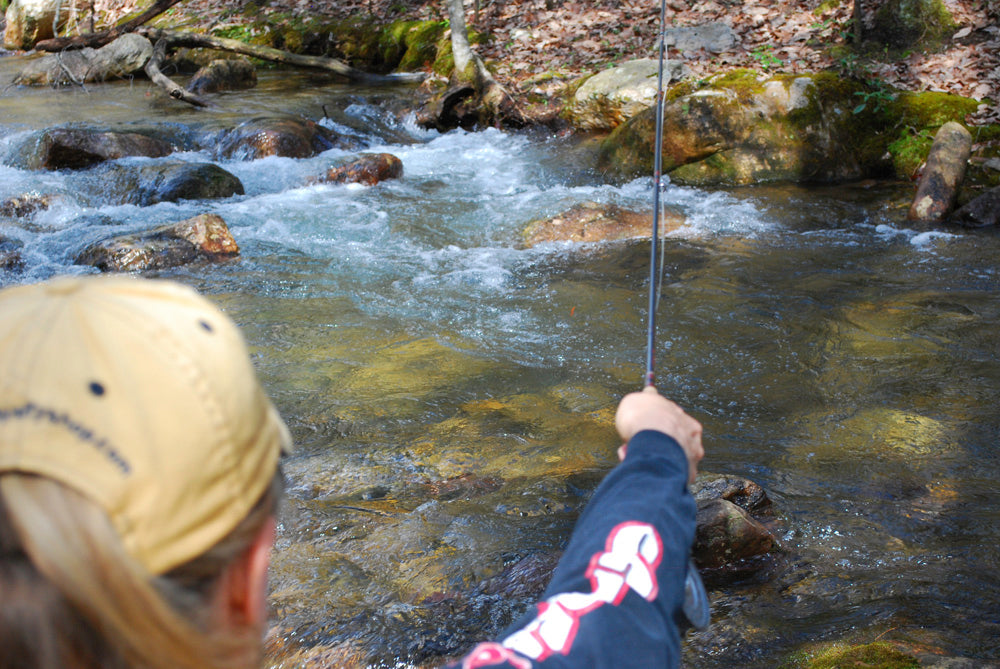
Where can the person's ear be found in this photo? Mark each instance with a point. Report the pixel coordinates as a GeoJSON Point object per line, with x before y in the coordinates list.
{"type": "Point", "coordinates": [244, 594]}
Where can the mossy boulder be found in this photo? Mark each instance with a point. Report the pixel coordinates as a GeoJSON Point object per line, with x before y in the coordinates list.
{"type": "Point", "coordinates": [737, 129]}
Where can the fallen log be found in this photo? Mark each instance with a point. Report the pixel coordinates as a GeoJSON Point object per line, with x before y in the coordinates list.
{"type": "Point", "coordinates": [177, 39]}
{"type": "Point", "coordinates": [99, 39]}
{"type": "Point", "coordinates": [173, 89]}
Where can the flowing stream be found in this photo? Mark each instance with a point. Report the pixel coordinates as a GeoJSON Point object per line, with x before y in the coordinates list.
{"type": "Point", "coordinates": [451, 392]}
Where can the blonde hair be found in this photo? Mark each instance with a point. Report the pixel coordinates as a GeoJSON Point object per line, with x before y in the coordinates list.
{"type": "Point", "coordinates": [72, 597]}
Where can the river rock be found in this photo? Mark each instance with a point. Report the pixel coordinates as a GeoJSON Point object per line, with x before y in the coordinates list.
{"type": "Point", "coordinates": [10, 255]}
{"type": "Point", "coordinates": [984, 211]}
{"type": "Point", "coordinates": [943, 174]}
{"type": "Point", "coordinates": [202, 237]}
{"type": "Point", "coordinates": [75, 148]}
{"type": "Point", "coordinates": [727, 536]}
{"type": "Point", "coordinates": [30, 21]}
{"type": "Point", "coordinates": [224, 74]}
{"type": "Point", "coordinates": [288, 137]}
{"type": "Point", "coordinates": [368, 169]}
{"type": "Point", "coordinates": [595, 222]}
{"type": "Point", "coordinates": [609, 98]}
{"type": "Point", "coordinates": [120, 58]}
{"type": "Point", "coordinates": [148, 184]}
{"type": "Point", "coordinates": [25, 205]}
{"type": "Point", "coordinates": [742, 492]}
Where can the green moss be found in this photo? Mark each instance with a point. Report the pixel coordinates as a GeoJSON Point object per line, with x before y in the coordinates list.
{"type": "Point", "coordinates": [908, 23]}
{"type": "Point", "coordinates": [877, 655]}
{"type": "Point", "coordinates": [932, 109]}
{"type": "Point", "coordinates": [827, 6]}
{"type": "Point", "coordinates": [910, 151]}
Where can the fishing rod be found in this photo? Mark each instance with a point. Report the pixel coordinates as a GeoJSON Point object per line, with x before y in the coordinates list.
{"type": "Point", "coordinates": [696, 606]}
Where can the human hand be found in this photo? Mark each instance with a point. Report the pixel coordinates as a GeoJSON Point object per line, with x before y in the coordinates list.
{"type": "Point", "coordinates": [648, 410]}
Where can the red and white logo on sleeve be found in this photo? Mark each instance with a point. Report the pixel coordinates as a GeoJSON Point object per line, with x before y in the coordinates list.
{"type": "Point", "coordinates": [629, 560]}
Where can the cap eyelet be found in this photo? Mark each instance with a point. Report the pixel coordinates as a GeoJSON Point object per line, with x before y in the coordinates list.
{"type": "Point", "coordinates": [96, 388]}
{"type": "Point", "coordinates": [206, 326]}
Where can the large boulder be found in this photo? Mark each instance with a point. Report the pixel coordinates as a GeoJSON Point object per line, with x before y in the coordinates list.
{"type": "Point", "coordinates": [714, 37]}
{"type": "Point", "coordinates": [288, 137]}
{"type": "Point", "coordinates": [169, 182]}
{"type": "Point", "coordinates": [30, 21]}
{"type": "Point", "coordinates": [909, 23]}
{"type": "Point", "coordinates": [120, 58]}
{"type": "Point", "coordinates": [594, 222]}
{"type": "Point", "coordinates": [368, 169]}
{"type": "Point", "coordinates": [611, 97]}
{"type": "Point", "coordinates": [736, 129]}
{"type": "Point", "coordinates": [204, 237]}
{"type": "Point", "coordinates": [75, 148]}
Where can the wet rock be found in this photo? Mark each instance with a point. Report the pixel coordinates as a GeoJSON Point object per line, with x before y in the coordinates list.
{"type": "Point", "coordinates": [742, 492]}
{"type": "Point", "coordinates": [594, 222]}
{"type": "Point", "coordinates": [368, 169]}
{"type": "Point", "coordinates": [169, 182]}
{"type": "Point", "coordinates": [25, 205]}
{"type": "Point", "coordinates": [939, 184]}
{"type": "Point", "coordinates": [224, 74]}
{"type": "Point", "coordinates": [984, 211]}
{"type": "Point", "coordinates": [288, 137]}
{"type": "Point", "coordinates": [727, 536]}
{"type": "Point", "coordinates": [202, 237]}
{"type": "Point", "coordinates": [120, 58]}
{"type": "Point", "coordinates": [75, 148]}
{"type": "Point", "coordinates": [609, 98]}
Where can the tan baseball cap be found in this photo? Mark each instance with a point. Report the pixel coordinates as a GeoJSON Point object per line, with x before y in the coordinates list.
{"type": "Point", "coordinates": [139, 394]}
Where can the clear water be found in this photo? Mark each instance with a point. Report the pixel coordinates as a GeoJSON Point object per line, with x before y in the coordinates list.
{"type": "Point", "coordinates": [843, 360]}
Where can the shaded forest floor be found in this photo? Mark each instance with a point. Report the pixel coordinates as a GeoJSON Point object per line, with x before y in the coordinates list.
{"type": "Point", "coordinates": [532, 40]}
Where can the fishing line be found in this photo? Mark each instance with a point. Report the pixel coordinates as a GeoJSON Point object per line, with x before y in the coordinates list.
{"type": "Point", "coordinates": [696, 607]}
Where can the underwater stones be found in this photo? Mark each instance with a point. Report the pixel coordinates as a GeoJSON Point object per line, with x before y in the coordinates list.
{"type": "Point", "coordinates": [943, 174]}
{"type": "Point", "coordinates": [76, 148]}
{"type": "Point", "coordinates": [368, 169]}
{"type": "Point", "coordinates": [10, 255]}
{"type": "Point", "coordinates": [595, 222]}
{"type": "Point", "coordinates": [202, 237]}
{"type": "Point", "coordinates": [612, 96]}
{"type": "Point", "coordinates": [224, 74]}
{"type": "Point", "coordinates": [287, 137]}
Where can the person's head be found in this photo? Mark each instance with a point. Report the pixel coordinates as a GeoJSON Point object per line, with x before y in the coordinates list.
{"type": "Point", "coordinates": [138, 479]}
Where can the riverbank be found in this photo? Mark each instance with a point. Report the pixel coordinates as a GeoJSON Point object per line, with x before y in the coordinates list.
{"type": "Point", "coordinates": [534, 41]}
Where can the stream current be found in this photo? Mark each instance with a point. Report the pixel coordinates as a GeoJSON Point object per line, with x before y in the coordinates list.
{"type": "Point", "coordinates": [451, 393]}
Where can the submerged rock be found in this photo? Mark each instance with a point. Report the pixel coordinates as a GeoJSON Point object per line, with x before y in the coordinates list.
{"type": "Point", "coordinates": [984, 211]}
{"type": "Point", "coordinates": [368, 169]}
{"type": "Point", "coordinates": [202, 237]}
{"type": "Point", "coordinates": [25, 205]}
{"type": "Point", "coordinates": [76, 148]}
{"type": "Point", "coordinates": [224, 74]}
{"type": "Point", "coordinates": [727, 536]}
{"type": "Point", "coordinates": [10, 255]}
{"type": "Point", "coordinates": [287, 137]}
{"type": "Point", "coordinates": [942, 177]}
{"type": "Point", "coordinates": [594, 222]}
{"type": "Point", "coordinates": [169, 182]}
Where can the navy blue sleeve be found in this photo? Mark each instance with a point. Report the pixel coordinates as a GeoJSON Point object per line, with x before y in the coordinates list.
{"type": "Point", "coordinates": [619, 587]}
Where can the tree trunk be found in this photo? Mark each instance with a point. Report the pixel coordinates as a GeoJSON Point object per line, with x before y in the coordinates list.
{"type": "Point", "coordinates": [174, 39]}
{"type": "Point", "coordinates": [495, 104]}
